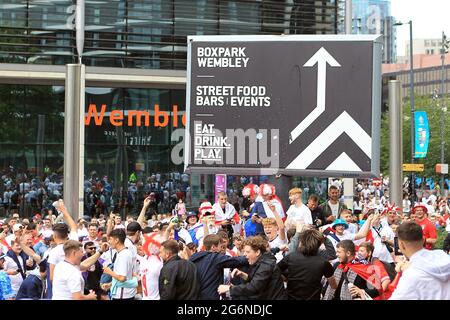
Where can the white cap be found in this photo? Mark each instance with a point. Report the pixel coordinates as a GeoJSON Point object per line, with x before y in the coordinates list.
{"type": "Point", "coordinates": [47, 234]}
{"type": "Point", "coordinates": [17, 227]}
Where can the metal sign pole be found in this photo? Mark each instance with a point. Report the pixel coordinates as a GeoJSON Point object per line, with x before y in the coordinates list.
{"type": "Point", "coordinates": [395, 143]}
{"type": "Point", "coordinates": [349, 183]}
{"type": "Point", "coordinates": [74, 139]}
{"type": "Point", "coordinates": [74, 125]}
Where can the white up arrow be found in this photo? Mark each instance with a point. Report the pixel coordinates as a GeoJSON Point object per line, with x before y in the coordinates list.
{"type": "Point", "coordinates": [342, 124]}
{"type": "Point", "coordinates": [321, 57]}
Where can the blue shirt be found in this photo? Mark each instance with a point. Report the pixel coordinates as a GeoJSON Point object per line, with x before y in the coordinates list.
{"type": "Point", "coordinates": [6, 291]}
{"type": "Point", "coordinates": [40, 248]}
{"type": "Point", "coordinates": [253, 228]}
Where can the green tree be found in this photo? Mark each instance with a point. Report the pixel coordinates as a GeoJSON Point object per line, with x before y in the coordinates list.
{"type": "Point", "coordinates": [434, 113]}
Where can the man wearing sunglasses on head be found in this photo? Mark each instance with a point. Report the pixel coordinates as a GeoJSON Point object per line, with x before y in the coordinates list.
{"type": "Point", "coordinates": [93, 274]}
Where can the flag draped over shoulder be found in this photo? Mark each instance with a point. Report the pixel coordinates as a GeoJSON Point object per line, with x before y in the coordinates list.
{"type": "Point", "coordinates": [369, 272]}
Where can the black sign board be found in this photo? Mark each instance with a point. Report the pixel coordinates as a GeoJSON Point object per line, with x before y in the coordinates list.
{"type": "Point", "coordinates": [297, 105]}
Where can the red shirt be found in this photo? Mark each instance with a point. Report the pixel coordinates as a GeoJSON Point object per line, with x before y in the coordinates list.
{"type": "Point", "coordinates": [37, 239]}
{"type": "Point", "coordinates": [429, 231]}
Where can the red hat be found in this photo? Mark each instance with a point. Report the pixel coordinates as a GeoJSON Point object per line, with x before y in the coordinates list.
{"type": "Point", "coordinates": [391, 208]}
{"type": "Point", "coordinates": [37, 216]}
{"type": "Point", "coordinates": [419, 205]}
{"type": "Point", "coordinates": [266, 189]}
{"type": "Point", "coordinates": [206, 209]}
{"type": "Point", "coordinates": [250, 190]}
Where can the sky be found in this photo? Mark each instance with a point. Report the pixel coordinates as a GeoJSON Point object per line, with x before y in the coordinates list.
{"type": "Point", "coordinates": [429, 18]}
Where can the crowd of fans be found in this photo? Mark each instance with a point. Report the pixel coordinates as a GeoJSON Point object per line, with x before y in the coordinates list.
{"type": "Point", "coordinates": [375, 250]}
{"type": "Point", "coordinates": [20, 192]}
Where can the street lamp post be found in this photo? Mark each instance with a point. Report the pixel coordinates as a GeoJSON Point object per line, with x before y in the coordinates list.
{"type": "Point", "coordinates": [411, 97]}
{"type": "Point", "coordinates": [443, 52]}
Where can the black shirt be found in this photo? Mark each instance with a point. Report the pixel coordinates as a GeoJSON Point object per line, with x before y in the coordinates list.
{"type": "Point", "coordinates": [317, 213]}
{"type": "Point", "coordinates": [304, 275]}
{"type": "Point", "coordinates": [92, 276]}
{"type": "Point", "coordinates": [178, 280]}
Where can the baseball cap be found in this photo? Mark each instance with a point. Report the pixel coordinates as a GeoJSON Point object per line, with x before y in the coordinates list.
{"type": "Point", "coordinates": [134, 227]}
{"type": "Point", "coordinates": [2, 256]}
{"type": "Point", "coordinates": [17, 227]}
{"type": "Point", "coordinates": [47, 234]}
{"type": "Point", "coordinates": [191, 214]}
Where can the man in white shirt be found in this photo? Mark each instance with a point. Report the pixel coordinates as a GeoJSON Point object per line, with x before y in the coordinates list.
{"type": "Point", "coordinates": [68, 282]}
{"type": "Point", "coordinates": [134, 230]}
{"type": "Point", "coordinates": [427, 275]}
{"type": "Point", "coordinates": [433, 199]}
{"type": "Point", "coordinates": [383, 236]}
{"type": "Point", "coordinates": [430, 206]}
{"type": "Point", "coordinates": [297, 212]}
{"type": "Point", "coordinates": [123, 265]}
{"type": "Point", "coordinates": [385, 198]}
{"type": "Point", "coordinates": [17, 233]}
{"type": "Point", "coordinates": [269, 198]}
{"type": "Point", "coordinates": [17, 264]}
{"type": "Point", "coordinates": [406, 204]}
{"type": "Point", "coordinates": [226, 215]}
{"type": "Point", "coordinates": [208, 220]}
{"type": "Point", "coordinates": [61, 235]}
{"type": "Point", "coordinates": [92, 235]}
{"type": "Point", "coordinates": [150, 267]}
{"type": "Point", "coordinates": [275, 231]}
{"type": "Point", "coordinates": [366, 191]}
{"type": "Point", "coordinates": [347, 216]}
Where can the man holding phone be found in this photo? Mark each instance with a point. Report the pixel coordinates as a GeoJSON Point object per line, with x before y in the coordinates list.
{"type": "Point", "coordinates": [17, 263]}
{"type": "Point", "coordinates": [226, 215]}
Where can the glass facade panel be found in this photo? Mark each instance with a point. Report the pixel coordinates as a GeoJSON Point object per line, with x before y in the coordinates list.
{"type": "Point", "coordinates": [11, 114]}
{"type": "Point", "coordinates": [31, 144]}
{"type": "Point", "coordinates": [43, 115]}
{"type": "Point", "coordinates": [148, 34]}
{"type": "Point", "coordinates": [134, 136]}
{"type": "Point", "coordinates": [123, 163]}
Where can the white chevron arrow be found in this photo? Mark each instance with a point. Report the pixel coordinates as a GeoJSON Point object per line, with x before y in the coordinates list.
{"type": "Point", "coordinates": [343, 163]}
{"type": "Point", "coordinates": [342, 124]}
{"type": "Point", "coordinates": [321, 58]}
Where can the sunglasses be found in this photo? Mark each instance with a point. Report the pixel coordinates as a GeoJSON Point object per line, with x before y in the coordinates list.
{"type": "Point", "coordinates": [92, 248]}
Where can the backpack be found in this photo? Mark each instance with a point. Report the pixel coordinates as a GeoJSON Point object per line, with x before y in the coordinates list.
{"type": "Point", "coordinates": [106, 278]}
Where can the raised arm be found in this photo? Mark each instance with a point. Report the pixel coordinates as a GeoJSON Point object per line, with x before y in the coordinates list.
{"type": "Point", "coordinates": [29, 251]}
{"type": "Point", "coordinates": [86, 264]}
{"type": "Point", "coordinates": [168, 230]}
{"type": "Point", "coordinates": [280, 223]}
{"type": "Point", "coordinates": [362, 233]}
{"type": "Point", "coordinates": [110, 224]}
{"type": "Point", "coordinates": [141, 218]}
{"type": "Point", "coordinates": [67, 217]}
